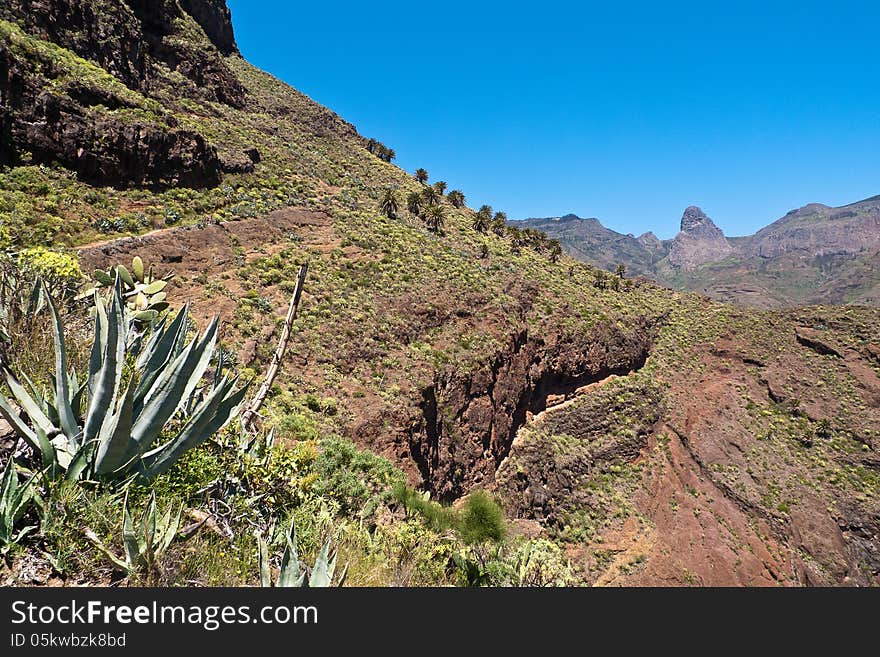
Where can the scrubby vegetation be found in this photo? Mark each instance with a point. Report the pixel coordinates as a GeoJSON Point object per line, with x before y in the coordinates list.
{"type": "Point", "coordinates": [416, 308]}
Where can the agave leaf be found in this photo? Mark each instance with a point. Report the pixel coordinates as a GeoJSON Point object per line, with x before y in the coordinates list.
{"type": "Point", "coordinates": [322, 573]}
{"type": "Point", "coordinates": [77, 464]}
{"type": "Point", "coordinates": [212, 415]}
{"type": "Point", "coordinates": [66, 416]}
{"type": "Point", "coordinates": [163, 348]}
{"type": "Point", "coordinates": [20, 426]}
{"type": "Point", "coordinates": [137, 267]}
{"type": "Point", "coordinates": [8, 487]}
{"type": "Point", "coordinates": [265, 569]}
{"type": "Point", "coordinates": [27, 403]}
{"type": "Point", "coordinates": [115, 435]}
{"type": "Point", "coordinates": [174, 387]}
{"type": "Point", "coordinates": [107, 385]}
{"type": "Point", "coordinates": [47, 451]}
{"type": "Point", "coordinates": [292, 572]}
{"type": "Point", "coordinates": [99, 344]}
{"type": "Point", "coordinates": [170, 527]}
{"type": "Point", "coordinates": [37, 299]}
{"type": "Point", "coordinates": [148, 522]}
{"type": "Point", "coordinates": [130, 541]}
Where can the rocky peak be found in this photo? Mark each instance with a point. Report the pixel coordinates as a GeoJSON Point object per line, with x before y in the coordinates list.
{"type": "Point", "coordinates": [700, 241]}
{"type": "Point", "coordinates": [695, 221]}
{"type": "Point", "coordinates": [650, 241]}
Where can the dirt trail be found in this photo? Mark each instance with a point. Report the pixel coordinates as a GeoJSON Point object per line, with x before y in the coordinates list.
{"type": "Point", "coordinates": [193, 253]}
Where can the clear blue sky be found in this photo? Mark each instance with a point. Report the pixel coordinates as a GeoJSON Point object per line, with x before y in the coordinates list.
{"type": "Point", "coordinates": [627, 112]}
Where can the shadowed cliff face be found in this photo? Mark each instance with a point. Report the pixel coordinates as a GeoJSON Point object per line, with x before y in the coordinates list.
{"type": "Point", "coordinates": [470, 420]}
{"type": "Point", "coordinates": [90, 84]}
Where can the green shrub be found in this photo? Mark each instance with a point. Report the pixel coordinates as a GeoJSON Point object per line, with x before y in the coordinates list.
{"type": "Point", "coordinates": [359, 481]}
{"type": "Point", "coordinates": [481, 519]}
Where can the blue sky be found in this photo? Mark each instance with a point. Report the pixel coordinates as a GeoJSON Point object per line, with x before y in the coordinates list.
{"type": "Point", "coordinates": [628, 112]}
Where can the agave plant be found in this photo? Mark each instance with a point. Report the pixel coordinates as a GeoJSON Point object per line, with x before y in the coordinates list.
{"type": "Point", "coordinates": [131, 394]}
{"type": "Point", "coordinates": [293, 573]}
{"type": "Point", "coordinates": [144, 293]}
{"type": "Point", "coordinates": [14, 501]}
{"type": "Point", "coordinates": [21, 298]}
{"type": "Point", "coordinates": [144, 541]}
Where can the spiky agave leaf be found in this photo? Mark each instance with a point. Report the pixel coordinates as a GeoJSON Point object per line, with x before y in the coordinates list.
{"type": "Point", "coordinates": [63, 406]}
{"type": "Point", "coordinates": [214, 412]}
{"type": "Point", "coordinates": [292, 573]}
{"type": "Point", "coordinates": [325, 566]}
{"type": "Point", "coordinates": [109, 372]}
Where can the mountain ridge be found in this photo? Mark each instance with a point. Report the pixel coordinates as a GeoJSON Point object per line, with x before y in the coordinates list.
{"type": "Point", "coordinates": [823, 246]}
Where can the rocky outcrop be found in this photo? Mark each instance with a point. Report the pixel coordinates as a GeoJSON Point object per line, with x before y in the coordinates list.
{"type": "Point", "coordinates": [469, 420]}
{"type": "Point", "coordinates": [214, 17]}
{"type": "Point", "coordinates": [132, 39]}
{"type": "Point", "coordinates": [818, 231]}
{"type": "Point", "coordinates": [55, 109]}
{"type": "Point", "coordinates": [700, 241]}
{"type": "Point", "coordinates": [85, 127]}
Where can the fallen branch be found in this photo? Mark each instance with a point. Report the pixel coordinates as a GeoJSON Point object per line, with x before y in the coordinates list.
{"type": "Point", "coordinates": [248, 417]}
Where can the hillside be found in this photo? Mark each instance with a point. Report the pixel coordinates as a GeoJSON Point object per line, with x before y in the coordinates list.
{"type": "Point", "coordinates": [815, 254]}
{"type": "Point", "coordinates": [632, 435]}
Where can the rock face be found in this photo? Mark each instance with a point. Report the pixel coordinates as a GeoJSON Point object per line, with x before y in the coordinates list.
{"type": "Point", "coordinates": [101, 120]}
{"type": "Point", "coordinates": [819, 231]}
{"type": "Point", "coordinates": [700, 241]}
{"type": "Point", "coordinates": [490, 405]}
{"type": "Point", "coordinates": [215, 19]}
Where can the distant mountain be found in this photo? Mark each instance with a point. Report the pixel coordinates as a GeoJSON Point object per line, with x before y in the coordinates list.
{"type": "Point", "coordinates": [589, 240]}
{"type": "Point", "coordinates": [816, 254]}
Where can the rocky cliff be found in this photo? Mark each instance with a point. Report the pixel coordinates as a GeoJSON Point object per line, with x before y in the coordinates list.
{"type": "Point", "coordinates": [94, 85]}
{"type": "Point", "coordinates": [699, 241]}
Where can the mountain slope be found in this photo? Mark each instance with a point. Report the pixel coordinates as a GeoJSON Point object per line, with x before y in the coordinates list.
{"type": "Point", "coordinates": [464, 359]}
{"type": "Point", "coordinates": [588, 240]}
{"type": "Point", "coordinates": [815, 254]}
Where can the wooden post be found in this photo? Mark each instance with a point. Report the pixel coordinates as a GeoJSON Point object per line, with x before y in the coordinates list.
{"type": "Point", "coordinates": [250, 414]}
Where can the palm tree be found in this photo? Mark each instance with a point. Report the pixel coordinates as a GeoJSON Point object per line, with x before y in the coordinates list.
{"type": "Point", "coordinates": [421, 175]}
{"type": "Point", "coordinates": [501, 216]}
{"type": "Point", "coordinates": [440, 186]}
{"type": "Point", "coordinates": [621, 270]}
{"type": "Point", "coordinates": [414, 203]}
{"type": "Point", "coordinates": [555, 251]}
{"type": "Point", "coordinates": [387, 154]}
{"type": "Point", "coordinates": [390, 203]}
{"type": "Point", "coordinates": [482, 218]}
{"type": "Point", "coordinates": [434, 218]}
{"type": "Point", "coordinates": [456, 197]}
{"type": "Point", "coordinates": [372, 145]}
{"type": "Point", "coordinates": [430, 196]}
{"type": "Point", "coordinates": [498, 226]}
